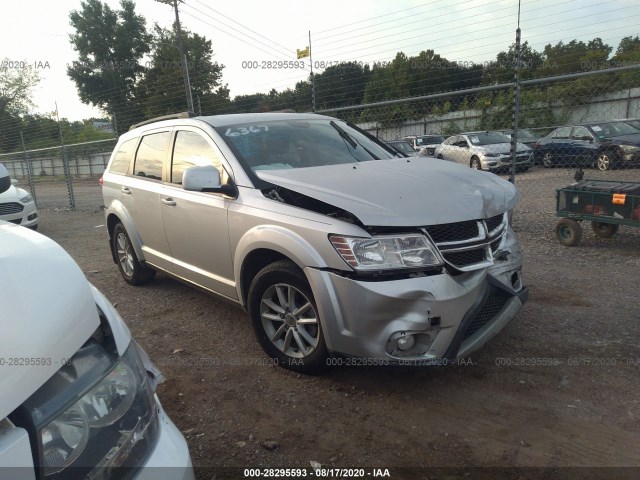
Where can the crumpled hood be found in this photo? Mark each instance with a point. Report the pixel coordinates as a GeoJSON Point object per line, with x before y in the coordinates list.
{"type": "Point", "coordinates": [47, 312]}
{"type": "Point", "coordinates": [402, 192]}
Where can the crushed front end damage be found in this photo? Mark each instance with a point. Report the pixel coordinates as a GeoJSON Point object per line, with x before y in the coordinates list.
{"type": "Point", "coordinates": [422, 318]}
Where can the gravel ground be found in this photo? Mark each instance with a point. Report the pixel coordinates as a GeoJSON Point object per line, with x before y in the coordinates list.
{"type": "Point", "coordinates": [557, 388]}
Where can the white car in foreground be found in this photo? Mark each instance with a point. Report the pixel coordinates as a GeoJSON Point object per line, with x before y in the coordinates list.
{"type": "Point", "coordinates": [76, 391]}
{"type": "Point", "coordinates": [17, 206]}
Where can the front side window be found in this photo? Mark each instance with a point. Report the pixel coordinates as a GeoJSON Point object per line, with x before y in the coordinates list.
{"type": "Point", "coordinates": [562, 132]}
{"type": "Point", "coordinates": [151, 155]}
{"type": "Point", "coordinates": [123, 156]}
{"type": "Point", "coordinates": [190, 150]}
{"type": "Point", "coordinates": [581, 133]}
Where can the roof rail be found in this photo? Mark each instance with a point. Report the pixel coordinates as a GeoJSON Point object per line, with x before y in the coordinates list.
{"type": "Point", "coordinates": [172, 116]}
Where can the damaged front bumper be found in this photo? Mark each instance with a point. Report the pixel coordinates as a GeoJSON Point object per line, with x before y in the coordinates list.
{"type": "Point", "coordinates": [420, 319]}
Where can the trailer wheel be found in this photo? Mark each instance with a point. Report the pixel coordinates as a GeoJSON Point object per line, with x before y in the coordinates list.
{"type": "Point", "coordinates": [604, 230]}
{"type": "Point", "coordinates": [568, 232]}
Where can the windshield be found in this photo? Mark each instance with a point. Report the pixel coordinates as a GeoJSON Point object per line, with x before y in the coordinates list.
{"type": "Point", "coordinates": [633, 123]}
{"type": "Point", "coordinates": [488, 138]}
{"type": "Point", "coordinates": [404, 147]}
{"type": "Point", "coordinates": [430, 140]}
{"type": "Point", "coordinates": [297, 143]}
{"type": "Point", "coordinates": [608, 130]}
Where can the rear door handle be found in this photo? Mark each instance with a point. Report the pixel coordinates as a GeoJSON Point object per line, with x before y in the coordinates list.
{"type": "Point", "coordinates": [125, 190]}
{"type": "Point", "coordinates": [168, 201]}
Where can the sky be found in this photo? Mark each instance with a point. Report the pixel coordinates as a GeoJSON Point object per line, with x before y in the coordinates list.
{"type": "Point", "coordinates": [250, 32]}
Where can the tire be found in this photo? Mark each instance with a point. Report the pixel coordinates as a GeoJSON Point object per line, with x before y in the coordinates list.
{"type": "Point", "coordinates": [475, 163]}
{"type": "Point", "coordinates": [440, 157]}
{"type": "Point", "coordinates": [130, 268]}
{"type": "Point", "coordinates": [604, 161]}
{"type": "Point", "coordinates": [291, 336]}
{"type": "Point", "coordinates": [604, 230]}
{"type": "Point", "coordinates": [547, 160]}
{"type": "Point", "coordinates": [568, 232]}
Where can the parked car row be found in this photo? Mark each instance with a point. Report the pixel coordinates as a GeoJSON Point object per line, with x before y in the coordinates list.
{"type": "Point", "coordinates": [602, 145]}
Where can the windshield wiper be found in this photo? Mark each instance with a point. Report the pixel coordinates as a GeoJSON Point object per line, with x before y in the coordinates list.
{"type": "Point", "coordinates": [344, 134]}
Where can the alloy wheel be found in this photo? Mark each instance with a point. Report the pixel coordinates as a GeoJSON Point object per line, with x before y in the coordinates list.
{"type": "Point", "coordinates": [125, 258]}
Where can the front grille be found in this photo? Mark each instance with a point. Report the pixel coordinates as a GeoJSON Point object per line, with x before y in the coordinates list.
{"type": "Point", "coordinates": [468, 245]}
{"type": "Point", "coordinates": [494, 222]}
{"type": "Point", "coordinates": [454, 232]}
{"type": "Point", "coordinates": [492, 306]}
{"type": "Point", "coordinates": [468, 257]}
{"type": "Point", "coordinates": [9, 208]}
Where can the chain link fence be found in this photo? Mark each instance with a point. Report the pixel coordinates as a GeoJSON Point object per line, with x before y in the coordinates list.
{"type": "Point", "coordinates": [582, 125]}
{"type": "Point", "coordinates": [64, 177]}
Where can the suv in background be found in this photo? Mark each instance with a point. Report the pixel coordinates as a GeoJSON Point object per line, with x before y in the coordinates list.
{"type": "Point", "coordinates": [77, 393]}
{"type": "Point", "coordinates": [332, 243]}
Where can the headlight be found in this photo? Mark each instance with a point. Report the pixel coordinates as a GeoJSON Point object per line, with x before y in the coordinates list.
{"type": "Point", "coordinates": [27, 199]}
{"type": "Point", "coordinates": [629, 148]}
{"type": "Point", "coordinates": [94, 415]}
{"type": "Point", "coordinates": [386, 252]}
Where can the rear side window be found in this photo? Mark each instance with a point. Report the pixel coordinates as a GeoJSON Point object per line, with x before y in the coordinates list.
{"type": "Point", "coordinates": [151, 155]}
{"type": "Point", "coordinates": [191, 150]}
{"type": "Point", "coordinates": [123, 156]}
{"type": "Point", "coordinates": [562, 132]}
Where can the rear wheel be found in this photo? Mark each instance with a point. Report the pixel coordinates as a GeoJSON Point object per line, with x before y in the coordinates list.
{"type": "Point", "coordinates": [131, 269]}
{"type": "Point", "coordinates": [285, 318]}
{"type": "Point", "coordinates": [568, 232]}
{"type": "Point", "coordinates": [604, 230]}
{"type": "Point", "coordinates": [440, 157]}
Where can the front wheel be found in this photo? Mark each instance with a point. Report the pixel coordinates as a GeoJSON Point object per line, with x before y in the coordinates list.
{"type": "Point", "coordinates": [604, 230]}
{"type": "Point", "coordinates": [604, 161]}
{"type": "Point", "coordinates": [440, 157]}
{"type": "Point", "coordinates": [547, 160]}
{"type": "Point", "coordinates": [475, 163]}
{"type": "Point", "coordinates": [568, 232]}
{"type": "Point", "coordinates": [131, 269]}
{"type": "Point", "coordinates": [285, 318]}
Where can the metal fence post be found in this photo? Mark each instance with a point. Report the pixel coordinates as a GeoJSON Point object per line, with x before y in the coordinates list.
{"type": "Point", "coordinates": [27, 160]}
{"type": "Point", "coordinates": [67, 177]}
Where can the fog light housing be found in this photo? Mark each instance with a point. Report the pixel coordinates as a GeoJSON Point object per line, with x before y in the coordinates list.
{"type": "Point", "coordinates": [405, 342]}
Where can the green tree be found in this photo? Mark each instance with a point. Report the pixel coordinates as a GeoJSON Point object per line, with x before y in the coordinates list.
{"type": "Point", "coordinates": [110, 46]}
{"type": "Point", "coordinates": [503, 69]}
{"type": "Point", "coordinates": [163, 85]}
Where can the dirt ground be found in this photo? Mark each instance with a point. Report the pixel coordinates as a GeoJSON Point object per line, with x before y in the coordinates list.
{"type": "Point", "coordinates": [557, 388]}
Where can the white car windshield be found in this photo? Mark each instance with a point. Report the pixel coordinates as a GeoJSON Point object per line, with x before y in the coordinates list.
{"type": "Point", "coordinates": [489, 138]}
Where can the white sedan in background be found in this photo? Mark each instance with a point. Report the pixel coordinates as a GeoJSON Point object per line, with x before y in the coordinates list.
{"type": "Point", "coordinates": [17, 206]}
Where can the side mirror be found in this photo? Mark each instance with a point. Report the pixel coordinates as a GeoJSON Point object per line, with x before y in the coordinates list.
{"type": "Point", "coordinates": [5, 179]}
{"type": "Point", "coordinates": [206, 179]}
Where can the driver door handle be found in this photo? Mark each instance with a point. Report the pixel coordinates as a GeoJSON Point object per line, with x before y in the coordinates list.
{"type": "Point", "coordinates": [168, 201]}
{"type": "Point", "coordinates": [125, 190]}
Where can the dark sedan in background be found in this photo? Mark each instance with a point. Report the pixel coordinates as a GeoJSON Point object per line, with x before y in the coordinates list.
{"type": "Point", "coordinates": [603, 145]}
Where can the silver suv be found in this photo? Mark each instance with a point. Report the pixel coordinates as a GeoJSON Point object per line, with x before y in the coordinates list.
{"type": "Point", "coordinates": [335, 247]}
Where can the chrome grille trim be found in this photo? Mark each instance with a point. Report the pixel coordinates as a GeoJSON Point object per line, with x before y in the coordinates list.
{"type": "Point", "coordinates": [486, 244]}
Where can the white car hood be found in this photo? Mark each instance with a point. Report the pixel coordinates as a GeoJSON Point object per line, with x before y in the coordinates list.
{"type": "Point", "coordinates": [403, 192]}
{"type": "Point", "coordinates": [47, 312]}
{"type": "Point", "coordinates": [501, 148]}
{"type": "Point", "coordinates": [13, 193]}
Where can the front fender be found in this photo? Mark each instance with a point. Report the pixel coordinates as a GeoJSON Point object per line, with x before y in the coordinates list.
{"type": "Point", "coordinates": [118, 210]}
{"type": "Point", "coordinates": [278, 239]}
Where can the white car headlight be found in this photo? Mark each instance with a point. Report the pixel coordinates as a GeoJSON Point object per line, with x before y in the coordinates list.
{"type": "Point", "coordinates": [629, 148]}
{"type": "Point", "coordinates": [387, 252]}
{"type": "Point", "coordinates": [27, 199]}
{"type": "Point", "coordinates": [95, 415]}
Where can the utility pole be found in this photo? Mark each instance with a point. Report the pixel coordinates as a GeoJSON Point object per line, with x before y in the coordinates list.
{"type": "Point", "coordinates": [183, 57]}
